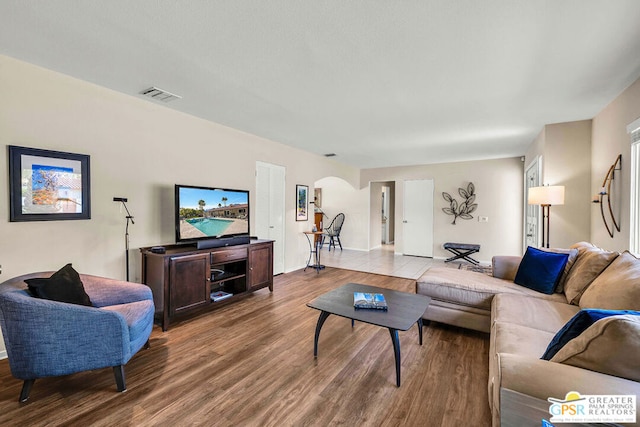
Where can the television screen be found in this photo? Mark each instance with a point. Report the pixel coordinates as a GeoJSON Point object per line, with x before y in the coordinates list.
{"type": "Point", "coordinates": [208, 213]}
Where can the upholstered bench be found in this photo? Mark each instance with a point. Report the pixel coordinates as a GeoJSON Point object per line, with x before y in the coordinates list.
{"type": "Point", "coordinates": [462, 250]}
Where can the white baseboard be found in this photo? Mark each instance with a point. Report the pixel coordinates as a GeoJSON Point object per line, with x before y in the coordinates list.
{"type": "Point", "coordinates": [3, 354]}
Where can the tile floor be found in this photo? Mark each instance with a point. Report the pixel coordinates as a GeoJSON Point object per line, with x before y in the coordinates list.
{"type": "Point", "coordinates": [379, 261]}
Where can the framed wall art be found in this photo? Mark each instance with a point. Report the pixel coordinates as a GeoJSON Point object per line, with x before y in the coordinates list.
{"type": "Point", "coordinates": [302, 202]}
{"type": "Point", "coordinates": [48, 185]}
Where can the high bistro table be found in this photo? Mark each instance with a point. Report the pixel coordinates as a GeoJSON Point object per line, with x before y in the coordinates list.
{"type": "Point", "coordinates": [404, 309]}
{"type": "Point", "coordinates": [314, 249]}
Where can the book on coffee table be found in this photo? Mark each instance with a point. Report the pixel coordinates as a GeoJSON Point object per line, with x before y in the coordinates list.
{"type": "Point", "coordinates": [369, 301]}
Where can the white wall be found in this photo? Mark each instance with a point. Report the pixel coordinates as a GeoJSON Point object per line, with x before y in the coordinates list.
{"type": "Point", "coordinates": [138, 150]}
{"type": "Point", "coordinates": [340, 196]}
{"type": "Point", "coordinates": [499, 187]}
{"type": "Point", "coordinates": [609, 139]}
{"type": "Point", "coordinates": [565, 149]}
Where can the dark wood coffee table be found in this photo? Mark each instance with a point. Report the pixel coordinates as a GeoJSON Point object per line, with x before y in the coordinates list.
{"type": "Point", "coordinates": [404, 310]}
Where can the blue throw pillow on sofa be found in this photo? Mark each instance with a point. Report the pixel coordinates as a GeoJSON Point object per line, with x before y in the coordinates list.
{"type": "Point", "coordinates": [540, 270]}
{"type": "Point", "coordinates": [578, 324]}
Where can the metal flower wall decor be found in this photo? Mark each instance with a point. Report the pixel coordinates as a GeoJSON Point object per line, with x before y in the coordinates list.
{"type": "Point", "coordinates": [464, 209]}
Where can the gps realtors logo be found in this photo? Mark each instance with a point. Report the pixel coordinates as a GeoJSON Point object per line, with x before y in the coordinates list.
{"type": "Point", "coordinates": [593, 408]}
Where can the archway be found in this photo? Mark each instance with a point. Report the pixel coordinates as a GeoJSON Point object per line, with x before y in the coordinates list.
{"type": "Point", "coordinates": [335, 195]}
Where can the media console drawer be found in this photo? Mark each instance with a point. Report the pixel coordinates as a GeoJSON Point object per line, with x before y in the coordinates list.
{"type": "Point", "coordinates": [227, 255]}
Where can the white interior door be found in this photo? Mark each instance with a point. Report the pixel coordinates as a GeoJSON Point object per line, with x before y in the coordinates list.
{"type": "Point", "coordinates": [269, 219]}
{"type": "Point", "coordinates": [532, 212]}
{"type": "Point", "coordinates": [418, 218]}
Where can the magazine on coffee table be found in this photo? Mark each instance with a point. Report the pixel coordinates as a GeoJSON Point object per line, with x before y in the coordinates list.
{"type": "Point", "coordinates": [369, 301]}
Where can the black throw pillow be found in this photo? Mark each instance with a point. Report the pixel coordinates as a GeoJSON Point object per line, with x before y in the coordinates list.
{"type": "Point", "coordinates": [63, 286]}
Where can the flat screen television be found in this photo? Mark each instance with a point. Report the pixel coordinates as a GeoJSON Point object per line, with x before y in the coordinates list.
{"type": "Point", "coordinates": [211, 217]}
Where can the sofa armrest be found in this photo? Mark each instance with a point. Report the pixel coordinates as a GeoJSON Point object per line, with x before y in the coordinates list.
{"type": "Point", "coordinates": [505, 266]}
{"type": "Point", "coordinates": [543, 379]}
{"type": "Point", "coordinates": [105, 292]}
{"type": "Point", "coordinates": [35, 329]}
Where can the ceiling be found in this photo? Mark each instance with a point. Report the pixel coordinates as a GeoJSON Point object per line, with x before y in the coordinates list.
{"type": "Point", "coordinates": [379, 83]}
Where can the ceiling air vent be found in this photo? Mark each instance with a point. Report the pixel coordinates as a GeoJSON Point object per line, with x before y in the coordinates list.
{"type": "Point", "coordinates": [159, 94]}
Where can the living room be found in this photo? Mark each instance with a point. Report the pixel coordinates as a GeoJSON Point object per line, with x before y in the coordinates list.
{"type": "Point", "coordinates": [139, 149]}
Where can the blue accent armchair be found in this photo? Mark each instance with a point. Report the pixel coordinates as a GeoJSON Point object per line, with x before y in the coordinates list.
{"type": "Point", "coordinates": [48, 338]}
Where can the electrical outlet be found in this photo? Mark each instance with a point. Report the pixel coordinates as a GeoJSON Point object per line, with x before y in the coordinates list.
{"type": "Point", "coordinates": [483, 219]}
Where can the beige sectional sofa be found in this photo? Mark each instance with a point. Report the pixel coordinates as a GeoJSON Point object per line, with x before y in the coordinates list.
{"type": "Point", "coordinates": [604, 359]}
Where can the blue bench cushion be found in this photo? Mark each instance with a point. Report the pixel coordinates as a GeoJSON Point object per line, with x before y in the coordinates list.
{"type": "Point", "coordinates": [463, 246]}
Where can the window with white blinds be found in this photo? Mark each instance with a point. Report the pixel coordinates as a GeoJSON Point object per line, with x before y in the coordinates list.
{"type": "Point", "coordinates": [634, 242]}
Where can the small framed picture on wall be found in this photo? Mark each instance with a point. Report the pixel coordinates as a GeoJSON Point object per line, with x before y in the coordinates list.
{"type": "Point", "coordinates": [48, 185]}
{"type": "Point", "coordinates": [302, 202]}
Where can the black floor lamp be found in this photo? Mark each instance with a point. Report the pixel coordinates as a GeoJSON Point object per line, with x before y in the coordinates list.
{"type": "Point", "coordinates": [126, 232]}
{"type": "Point", "coordinates": [546, 196]}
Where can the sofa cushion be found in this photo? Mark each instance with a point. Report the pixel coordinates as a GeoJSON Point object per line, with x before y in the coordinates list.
{"type": "Point", "coordinates": [505, 266]}
{"type": "Point", "coordinates": [610, 346]}
{"type": "Point", "coordinates": [462, 316]}
{"type": "Point", "coordinates": [540, 270]}
{"type": "Point", "coordinates": [509, 338]}
{"type": "Point", "coordinates": [469, 288]}
{"type": "Point", "coordinates": [571, 260]}
{"type": "Point", "coordinates": [589, 264]}
{"type": "Point", "coordinates": [542, 379]}
{"type": "Point", "coordinates": [617, 288]}
{"type": "Point", "coordinates": [519, 339]}
{"type": "Point", "coordinates": [538, 313]}
{"type": "Point", "coordinates": [582, 245]}
{"type": "Point", "coordinates": [63, 286]}
{"type": "Point", "coordinates": [578, 324]}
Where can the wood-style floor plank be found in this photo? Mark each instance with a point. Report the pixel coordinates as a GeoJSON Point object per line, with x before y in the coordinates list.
{"type": "Point", "coordinates": [251, 363]}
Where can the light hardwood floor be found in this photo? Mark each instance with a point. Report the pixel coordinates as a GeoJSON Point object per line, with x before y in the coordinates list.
{"type": "Point", "coordinates": [251, 364]}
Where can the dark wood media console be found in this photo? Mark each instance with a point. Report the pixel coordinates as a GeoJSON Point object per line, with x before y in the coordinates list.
{"type": "Point", "coordinates": [185, 280]}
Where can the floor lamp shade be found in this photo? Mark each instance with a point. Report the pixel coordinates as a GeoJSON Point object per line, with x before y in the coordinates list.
{"type": "Point", "coordinates": [546, 196]}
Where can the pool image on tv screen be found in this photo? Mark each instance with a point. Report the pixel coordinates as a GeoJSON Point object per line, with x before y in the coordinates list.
{"type": "Point", "coordinates": [211, 212]}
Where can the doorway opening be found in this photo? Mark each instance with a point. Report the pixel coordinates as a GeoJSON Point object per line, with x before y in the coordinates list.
{"type": "Point", "coordinates": [387, 218]}
{"type": "Point", "coordinates": [382, 215]}
{"type": "Point", "coordinates": [531, 212]}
